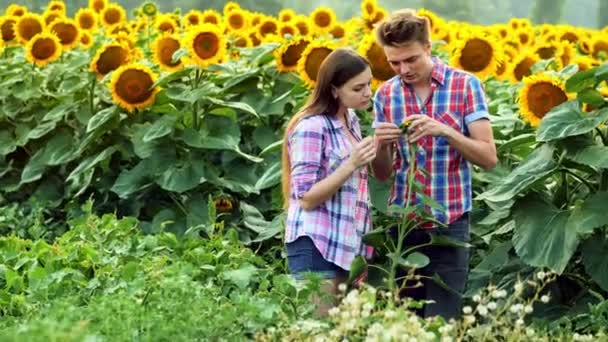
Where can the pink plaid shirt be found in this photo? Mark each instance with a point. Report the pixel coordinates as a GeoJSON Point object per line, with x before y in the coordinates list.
{"type": "Point", "coordinates": [317, 146]}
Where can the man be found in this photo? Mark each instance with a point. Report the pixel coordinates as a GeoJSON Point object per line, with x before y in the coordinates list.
{"type": "Point", "coordinates": [449, 120]}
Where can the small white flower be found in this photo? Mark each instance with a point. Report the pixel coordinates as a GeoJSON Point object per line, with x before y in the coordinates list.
{"type": "Point", "coordinates": [529, 332]}
{"type": "Point", "coordinates": [528, 309]}
{"type": "Point", "coordinates": [541, 275]}
{"type": "Point", "coordinates": [483, 311]}
{"type": "Point", "coordinates": [333, 311]}
{"type": "Point", "coordinates": [467, 310]}
{"type": "Point", "coordinates": [368, 306]}
{"type": "Point", "coordinates": [389, 314]}
{"type": "Point", "coordinates": [351, 324]}
{"type": "Point", "coordinates": [469, 319]}
{"type": "Point", "coordinates": [519, 287]}
{"type": "Point", "coordinates": [477, 298]}
{"type": "Point", "coordinates": [515, 308]}
{"type": "Point", "coordinates": [342, 287]}
{"type": "Point", "coordinates": [544, 299]}
{"type": "Point", "coordinates": [492, 306]}
{"type": "Point", "coordinates": [519, 322]}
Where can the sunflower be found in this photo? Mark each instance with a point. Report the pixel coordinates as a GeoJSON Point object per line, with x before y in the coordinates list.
{"type": "Point", "coordinates": [522, 66]}
{"type": "Point", "coordinates": [378, 16]}
{"type": "Point", "coordinates": [206, 45]}
{"type": "Point", "coordinates": [27, 26]}
{"type": "Point", "coordinates": [86, 40]}
{"type": "Point", "coordinates": [476, 54]}
{"type": "Point", "coordinates": [368, 8]}
{"type": "Point", "coordinates": [7, 25]}
{"type": "Point", "coordinates": [149, 8]}
{"type": "Point", "coordinates": [222, 205]}
{"type": "Point", "coordinates": [287, 29]}
{"type": "Point", "coordinates": [108, 58]}
{"type": "Point", "coordinates": [381, 69]}
{"type": "Point", "coordinates": [131, 87]}
{"type": "Point", "coordinates": [303, 24]}
{"type": "Point", "coordinates": [230, 6]}
{"type": "Point", "coordinates": [236, 20]}
{"type": "Point", "coordinates": [113, 14]}
{"type": "Point", "coordinates": [501, 31]}
{"type": "Point", "coordinates": [584, 46]}
{"type": "Point", "coordinates": [240, 40]}
{"type": "Point", "coordinates": [49, 17]}
{"type": "Point", "coordinates": [523, 36]}
{"type": "Point", "coordinates": [585, 62]}
{"type": "Point", "coordinates": [267, 26]}
{"type": "Point", "coordinates": [211, 17]}
{"type": "Point", "coordinates": [567, 53]}
{"type": "Point", "coordinates": [14, 10]}
{"type": "Point", "coordinates": [599, 45]}
{"type": "Point", "coordinates": [539, 94]}
{"type": "Point", "coordinates": [166, 23]}
{"type": "Point", "coordinates": [86, 19]}
{"type": "Point", "coordinates": [67, 32]}
{"type": "Point", "coordinates": [253, 36]}
{"type": "Point", "coordinates": [120, 28]}
{"type": "Point", "coordinates": [129, 42]}
{"type": "Point", "coordinates": [192, 18]}
{"type": "Point", "coordinates": [548, 50]}
{"type": "Point", "coordinates": [289, 53]}
{"type": "Point", "coordinates": [163, 49]}
{"type": "Point", "coordinates": [322, 19]}
{"type": "Point", "coordinates": [310, 62]}
{"type": "Point", "coordinates": [98, 5]}
{"type": "Point", "coordinates": [56, 6]}
{"type": "Point", "coordinates": [286, 15]}
{"type": "Point", "coordinates": [42, 49]}
{"type": "Point", "coordinates": [433, 19]}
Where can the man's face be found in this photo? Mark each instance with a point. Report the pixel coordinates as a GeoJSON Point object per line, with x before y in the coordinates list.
{"type": "Point", "coordinates": [411, 61]}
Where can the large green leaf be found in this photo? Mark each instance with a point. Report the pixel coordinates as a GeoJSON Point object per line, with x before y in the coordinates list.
{"type": "Point", "coordinates": [253, 219]}
{"type": "Point", "coordinates": [596, 156]}
{"type": "Point", "coordinates": [160, 128]}
{"type": "Point", "coordinates": [379, 193]}
{"type": "Point", "coordinates": [58, 150]}
{"type": "Point", "coordinates": [542, 236]}
{"type": "Point", "coordinates": [591, 214]}
{"type": "Point", "coordinates": [133, 180]}
{"type": "Point", "coordinates": [182, 177]}
{"type": "Point", "coordinates": [567, 120]}
{"type": "Point", "coordinates": [580, 81]}
{"type": "Point", "coordinates": [270, 178]}
{"type": "Point", "coordinates": [91, 161]}
{"type": "Point", "coordinates": [234, 105]}
{"type": "Point", "coordinates": [357, 268]}
{"type": "Point", "coordinates": [241, 277]}
{"type": "Point", "coordinates": [482, 274]}
{"type": "Point", "coordinates": [538, 165]}
{"type": "Point", "coordinates": [594, 258]}
{"type": "Point", "coordinates": [101, 118]}
{"type": "Point", "coordinates": [7, 142]}
{"type": "Point", "coordinates": [591, 96]}
{"type": "Point", "coordinates": [220, 140]}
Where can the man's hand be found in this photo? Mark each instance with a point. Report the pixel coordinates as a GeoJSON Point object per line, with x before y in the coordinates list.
{"type": "Point", "coordinates": [387, 133]}
{"type": "Point", "coordinates": [422, 125]}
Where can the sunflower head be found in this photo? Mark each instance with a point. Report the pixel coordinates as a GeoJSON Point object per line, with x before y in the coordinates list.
{"type": "Point", "coordinates": [569, 34]}
{"type": "Point", "coordinates": [585, 62]}
{"type": "Point", "coordinates": [287, 29]}
{"type": "Point", "coordinates": [67, 32]}
{"type": "Point", "coordinates": [86, 40]}
{"type": "Point", "coordinates": [374, 53]}
{"type": "Point", "coordinates": [310, 62]}
{"type": "Point", "coordinates": [522, 66]}
{"type": "Point", "coordinates": [56, 6]}
{"type": "Point", "coordinates": [7, 25]}
{"type": "Point", "coordinates": [289, 53]}
{"type": "Point", "coordinates": [108, 58]}
{"type": "Point", "coordinates": [166, 23]}
{"type": "Point", "coordinates": [206, 45]}
{"type": "Point", "coordinates": [27, 26]}
{"type": "Point", "coordinates": [14, 10]}
{"type": "Point", "coordinates": [222, 205]}
{"type": "Point", "coordinates": [378, 16]}
{"type": "Point", "coordinates": [42, 49]}
{"type": "Point", "coordinates": [131, 87]}
{"type": "Point", "coordinates": [149, 8]}
{"type": "Point", "coordinates": [98, 5]}
{"type": "Point", "coordinates": [49, 17]}
{"type": "Point", "coordinates": [86, 19]}
{"type": "Point", "coordinates": [164, 47]}
{"type": "Point", "coordinates": [211, 17]}
{"type": "Point", "coordinates": [599, 46]}
{"type": "Point", "coordinates": [539, 94]}
{"type": "Point", "coordinates": [230, 6]}
{"type": "Point", "coordinates": [477, 54]}
{"type": "Point", "coordinates": [434, 19]}
{"type": "Point", "coordinates": [322, 19]}
{"type": "Point", "coordinates": [113, 14]}
{"type": "Point", "coordinates": [240, 40]}
{"type": "Point", "coordinates": [236, 20]}
{"type": "Point", "coordinates": [303, 25]}
{"type": "Point", "coordinates": [547, 50]}
{"type": "Point", "coordinates": [268, 26]}
{"type": "Point", "coordinates": [286, 15]}
{"type": "Point", "coordinates": [338, 31]}
{"type": "Point", "coordinates": [192, 18]}
{"type": "Point", "coordinates": [368, 8]}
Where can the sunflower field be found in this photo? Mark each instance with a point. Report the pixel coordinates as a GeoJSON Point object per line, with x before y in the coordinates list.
{"type": "Point", "coordinates": [140, 171]}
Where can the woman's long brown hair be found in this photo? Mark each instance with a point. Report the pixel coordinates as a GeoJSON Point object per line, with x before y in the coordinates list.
{"type": "Point", "coordinates": [338, 67]}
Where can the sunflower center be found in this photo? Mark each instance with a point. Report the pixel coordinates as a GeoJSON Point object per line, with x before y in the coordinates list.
{"type": "Point", "coordinates": [29, 27]}
{"type": "Point", "coordinates": [111, 59]}
{"type": "Point", "coordinates": [543, 96]}
{"type": "Point", "coordinates": [369, 8]}
{"type": "Point", "coordinates": [133, 86]}
{"type": "Point", "coordinates": [236, 21]}
{"type": "Point", "coordinates": [599, 47]}
{"type": "Point", "coordinates": [268, 27]}
{"type": "Point", "coordinates": [112, 16]}
{"type": "Point", "coordinates": [381, 70]}
{"type": "Point", "coordinates": [206, 45]}
{"type": "Point", "coordinates": [546, 52]}
{"type": "Point", "coordinates": [8, 33]}
{"type": "Point", "coordinates": [165, 27]}
{"type": "Point", "coordinates": [288, 30]}
{"type": "Point", "coordinates": [85, 39]}
{"type": "Point", "coordinates": [293, 53]}
{"type": "Point", "coordinates": [314, 60]}
{"type": "Point", "coordinates": [43, 49]}
{"type": "Point", "coordinates": [86, 22]}
{"type": "Point", "coordinates": [167, 49]}
{"type": "Point", "coordinates": [67, 33]}
{"type": "Point", "coordinates": [523, 68]}
{"type": "Point", "coordinates": [210, 19]}
{"type": "Point", "coordinates": [524, 38]}
{"type": "Point", "coordinates": [323, 19]}
{"type": "Point", "coordinates": [193, 20]}
{"type": "Point", "coordinates": [302, 27]}
{"type": "Point", "coordinates": [569, 36]}
{"type": "Point", "coordinates": [476, 55]}
{"type": "Point", "coordinates": [98, 5]}
{"type": "Point", "coordinates": [49, 18]}
{"type": "Point", "coordinates": [337, 32]}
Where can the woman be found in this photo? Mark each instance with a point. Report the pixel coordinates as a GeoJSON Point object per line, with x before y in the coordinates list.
{"type": "Point", "coordinates": [325, 163]}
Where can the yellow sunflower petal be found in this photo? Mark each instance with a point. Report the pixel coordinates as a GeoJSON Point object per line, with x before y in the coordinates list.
{"type": "Point", "coordinates": [206, 45]}
{"type": "Point", "coordinates": [98, 5]}
{"type": "Point", "coordinates": [322, 19]}
{"type": "Point", "coordinates": [108, 58]}
{"type": "Point", "coordinates": [42, 49]}
{"type": "Point", "coordinates": [477, 54]}
{"type": "Point", "coordinates": [86, 19]}
{"type": "Point", "coordinates": [310, 62]}
{"type": "Point", "coordinates": [27, 26]}
{"type": "Point", "coordinates": [163, 49]}
{"type": "Point", "coordinates": [67, 31]}
{"type": "Point", "coordinates": [289, 53]}
{"type": "Point", "coordinates": [131, 87]}
{"type": "Point", "coordinates": [538, 95]}
{"type": "Point", "coordinates": [374, 53]}
{"type": "Point", "coordinates": [113, 14]}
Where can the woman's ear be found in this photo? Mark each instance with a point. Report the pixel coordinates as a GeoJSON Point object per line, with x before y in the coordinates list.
{"type": "Point", "coordinates": [334, 92]}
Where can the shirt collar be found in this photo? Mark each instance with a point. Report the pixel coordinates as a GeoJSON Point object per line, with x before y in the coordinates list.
{"type": "Point", "coordinates": [350, 115]}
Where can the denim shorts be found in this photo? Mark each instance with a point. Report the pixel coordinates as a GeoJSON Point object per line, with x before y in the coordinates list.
{"type": "Point", "coordinates": [304, 257]}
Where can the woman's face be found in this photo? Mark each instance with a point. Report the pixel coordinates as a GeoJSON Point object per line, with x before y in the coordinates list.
{"type": "Point", "coordinates": [356, 92]}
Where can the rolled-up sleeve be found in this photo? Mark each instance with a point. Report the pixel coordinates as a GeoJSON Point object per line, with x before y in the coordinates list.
{"type": "Point", "coordinates": [306, 144]}
{"type": "Point", "coordinates": [476, 103]}
{"type": "Point", "coordinates": [379, 115]}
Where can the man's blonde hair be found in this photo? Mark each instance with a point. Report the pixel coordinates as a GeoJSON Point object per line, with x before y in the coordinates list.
{"type": "Point", "coordinates": [403, 27]}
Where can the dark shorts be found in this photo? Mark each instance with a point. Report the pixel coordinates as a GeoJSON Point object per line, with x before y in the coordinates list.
{"type": "Point", "coordinates": [304, 257]}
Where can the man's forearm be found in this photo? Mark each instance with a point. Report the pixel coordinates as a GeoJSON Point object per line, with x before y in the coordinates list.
{"type": "Point", "coordinates": [479, 152]}
{"type": "Point", "coordinates": [383, 164]}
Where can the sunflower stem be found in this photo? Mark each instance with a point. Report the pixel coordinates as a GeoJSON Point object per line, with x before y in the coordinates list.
{"type": "Point", "coordinates": [602, 136]}
{"type": "Point", "coordinates": [92, 94]}
{"type": "Point", "coordinates": [195, 118]}
{"type": "Point", "coordinates": [581, 179]}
